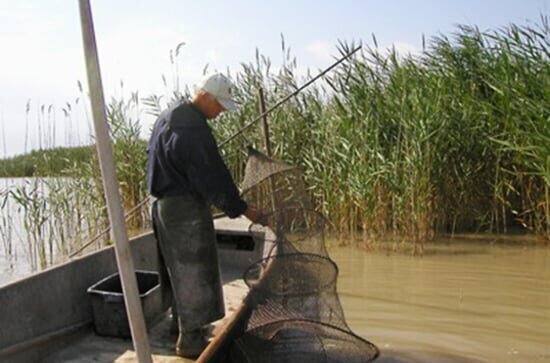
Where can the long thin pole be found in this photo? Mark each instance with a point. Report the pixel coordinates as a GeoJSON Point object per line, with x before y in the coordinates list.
{"type": "Point", "coordinates": [265, 125]}
{"type": "Point", "coordinates": [110, 185]}
{"type": "Point", "coordinates": [267, 143]}
{"type": "Point", "coordinates": [108, 229]}
{"type": "Point", "coordinates": [286, 98]}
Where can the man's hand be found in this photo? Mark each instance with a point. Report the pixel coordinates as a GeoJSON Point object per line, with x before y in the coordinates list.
{"type": "Point", "coordinates": [255, 215]}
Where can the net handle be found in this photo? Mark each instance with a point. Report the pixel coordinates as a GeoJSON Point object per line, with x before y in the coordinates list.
{"type": "Point", "coordinates": [286, 98]}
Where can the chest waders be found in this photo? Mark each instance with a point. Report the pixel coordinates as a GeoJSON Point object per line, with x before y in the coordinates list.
{"type": "Point", "coordinates": [187, 242]}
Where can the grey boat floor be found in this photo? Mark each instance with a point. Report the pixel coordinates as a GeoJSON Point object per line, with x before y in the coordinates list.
{"type": "Point", "coordinates": [85, 346]}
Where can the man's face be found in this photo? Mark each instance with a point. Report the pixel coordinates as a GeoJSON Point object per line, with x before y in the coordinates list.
{"type": "Point", "coordinates": [214, 108]}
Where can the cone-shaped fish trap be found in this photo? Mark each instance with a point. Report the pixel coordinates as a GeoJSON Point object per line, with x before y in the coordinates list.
{"type": "Point", "coordinates": [296, 313]}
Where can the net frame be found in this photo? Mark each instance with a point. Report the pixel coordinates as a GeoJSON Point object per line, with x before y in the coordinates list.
{"type": "Point", "coordinates": [296, 314]}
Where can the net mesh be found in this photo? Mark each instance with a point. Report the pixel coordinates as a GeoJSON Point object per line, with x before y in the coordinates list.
{"type": "Point", "coordinates": [296, 314]}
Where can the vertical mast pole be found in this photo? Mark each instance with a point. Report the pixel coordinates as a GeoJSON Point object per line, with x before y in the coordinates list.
{"type": "Point", "coordinates": [110, 184]}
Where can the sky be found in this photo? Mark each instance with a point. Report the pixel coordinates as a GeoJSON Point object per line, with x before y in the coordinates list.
{"type": "Point", "coordinates": [41, 59]}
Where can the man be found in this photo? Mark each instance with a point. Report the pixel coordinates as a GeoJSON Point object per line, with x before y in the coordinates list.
{"type": "Point", "coordinates": [187, 174]}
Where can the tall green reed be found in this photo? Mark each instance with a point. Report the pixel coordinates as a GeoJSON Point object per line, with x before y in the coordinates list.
{"type": "Point", "coordinates": [6, 226]}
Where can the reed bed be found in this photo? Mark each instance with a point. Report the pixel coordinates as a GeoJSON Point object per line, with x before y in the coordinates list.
{"type": "Point", "coordinates": [62, 211]}
{"type": "Point", "coordinates": [455, 138]}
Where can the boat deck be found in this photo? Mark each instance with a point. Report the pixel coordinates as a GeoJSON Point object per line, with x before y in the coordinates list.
{"type": "Point", "coordinates": [86, 346]}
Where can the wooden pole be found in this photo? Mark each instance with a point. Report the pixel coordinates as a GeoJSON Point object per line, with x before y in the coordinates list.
{"type": "Point", "coordinates": [264, 122]}
{"type": "Point", "coordinates": [110, 184]}
{"type": "Point", "coordinates": [267, 143]}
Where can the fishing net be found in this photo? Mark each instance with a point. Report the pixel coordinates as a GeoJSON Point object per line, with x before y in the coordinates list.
{"type": "Point", "coordinates": [296, 314]}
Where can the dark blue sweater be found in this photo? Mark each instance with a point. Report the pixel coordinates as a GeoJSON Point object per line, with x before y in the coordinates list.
{"type": "Point", "coordinates": [184, 159]}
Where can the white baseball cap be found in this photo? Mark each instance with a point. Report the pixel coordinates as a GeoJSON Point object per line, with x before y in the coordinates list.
{"type": "Point", "coordinates": [219, 87]}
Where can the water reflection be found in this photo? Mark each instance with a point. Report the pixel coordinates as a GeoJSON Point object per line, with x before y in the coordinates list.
{"type": "Point", "coordinates": [484, 300]}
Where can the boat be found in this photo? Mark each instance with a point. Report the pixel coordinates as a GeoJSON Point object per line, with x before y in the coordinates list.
{"type": "Point", "coordinates": [48, 316]}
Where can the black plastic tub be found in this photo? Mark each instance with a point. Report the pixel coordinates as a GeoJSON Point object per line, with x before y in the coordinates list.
{"type": "Point", "coordinates": [108, 308]}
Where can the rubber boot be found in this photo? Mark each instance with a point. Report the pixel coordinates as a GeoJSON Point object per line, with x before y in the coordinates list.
{"type": "Point", "coordinates": [191, 344]}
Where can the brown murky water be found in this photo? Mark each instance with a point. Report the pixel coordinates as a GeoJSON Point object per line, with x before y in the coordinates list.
{"type": "Point", "coordinates": [463, 301]}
